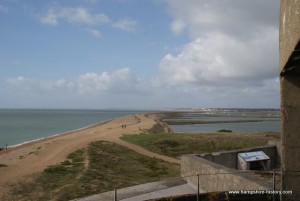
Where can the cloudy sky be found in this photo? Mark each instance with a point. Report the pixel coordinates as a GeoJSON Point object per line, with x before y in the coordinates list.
{"type": "Point", "coordinates": [139, 54]}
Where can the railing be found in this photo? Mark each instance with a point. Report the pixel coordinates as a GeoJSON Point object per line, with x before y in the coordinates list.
{"type": "Point", "coordinates": [274, 193]}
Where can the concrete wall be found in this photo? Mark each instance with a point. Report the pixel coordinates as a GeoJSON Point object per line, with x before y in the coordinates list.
{"type": "Point", "coordinates": [289, 68]}
{"type": "Point", "coordinates": [229, 158]}
{"type": "Point", "coordinates": [289, 30]}
{"type": "Point", "coordinates": [215, 177]}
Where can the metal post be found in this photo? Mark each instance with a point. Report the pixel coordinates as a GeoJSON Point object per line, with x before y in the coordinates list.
{"type": "Point", "coordinates": [115, 197]}
{"type": "Point", "coordinates": [280, 197]}
{"type": "Point", "coordinates": [274, 185]}
{"type": "Point", "coordinates": [198, 188]}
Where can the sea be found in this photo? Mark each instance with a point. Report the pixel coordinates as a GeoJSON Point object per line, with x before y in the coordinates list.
{"type": "Point", "coordinates": [19, 126]}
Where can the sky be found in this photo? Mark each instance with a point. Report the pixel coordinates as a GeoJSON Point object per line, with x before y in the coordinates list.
{"type": "Point", "coordinates": [139, 54]}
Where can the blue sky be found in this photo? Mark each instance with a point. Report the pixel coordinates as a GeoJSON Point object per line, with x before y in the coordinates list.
{"type": "Point", "coordinates": [139, 54]}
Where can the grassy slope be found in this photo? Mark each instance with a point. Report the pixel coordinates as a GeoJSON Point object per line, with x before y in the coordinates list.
{"type": "Point", "coordinates": [175, 145]}
{"type": "Point", "coordinates": [109, 165]}
{"type": "Point", "coordinates": [103, 165]}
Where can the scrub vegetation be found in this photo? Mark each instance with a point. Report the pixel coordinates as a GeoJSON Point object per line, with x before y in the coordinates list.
{"type": "Point", "coordinates": [175, 145]}
{"type": "Point", "coordinates": [100, 167]}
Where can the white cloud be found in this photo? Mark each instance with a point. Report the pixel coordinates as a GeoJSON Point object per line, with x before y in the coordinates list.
{"type": "Point", "coordinates": [239, 18]}
{"type": "Point", "coordinates": [81, 15]}
{"type": "Point", "coordinates": [50, 18]}
{"type": "Point", "coordinates": [92, 83]}
{"type": "Point", "coordinates": [219, 59]}
{"type": "Point", "coordinates": [230, 60]}
{"type": "Point", "coordinates": [119, 81]}
{"type": "Point", "coordinates": [94, 32]}
{"type": "Point", "coordinates": [126, 24]}
{"type": "Point", "coordinates": [77, 15]}
{"type": "Point", "coordinates": [177, 26]}
{"type": "Point", "coordinates": [121, 88]}
{"type": "Point", "coordinates": [269, 87]}
{"type": "Point", "coordinates": [232, 57]}
{"type": "Point", "coordinates": [39, 86]}
{"type": "Point", "coordinates": [233, 43]}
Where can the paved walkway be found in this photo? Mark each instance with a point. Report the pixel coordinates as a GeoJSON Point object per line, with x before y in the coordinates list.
{"type": "Point", "coordinates": [147, 191]}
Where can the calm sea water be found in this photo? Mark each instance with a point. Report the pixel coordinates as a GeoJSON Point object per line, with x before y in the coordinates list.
{"type": "Point", "coordinates": [268, 120]}
{"type": "Point", "coordinates": [19, 126]}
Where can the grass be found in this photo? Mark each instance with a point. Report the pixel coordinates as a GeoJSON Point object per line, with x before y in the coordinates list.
{"type": "Point", "coordinates": [98, 168]}
{"type": "Point", "coordinates": [175, 145]}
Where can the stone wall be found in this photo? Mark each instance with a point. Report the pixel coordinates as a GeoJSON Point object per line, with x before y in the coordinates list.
{"type": "Point", "coordinates": [214, 177]}
{"type": "Point", "coordinates": [229, 158]}
{"type": "Point", "coordinates": [289, 69]}
{"type": "Point", "coordinates": [217, 172]}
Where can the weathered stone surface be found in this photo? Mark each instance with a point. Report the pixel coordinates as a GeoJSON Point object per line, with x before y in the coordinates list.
{"type": "Point", "coordinates": [290, 90]}
{"type": "Point", "coordinates": [214, 177]}
{"type": "Point", "coordinates": [290, 183]}
{"type": "Point", "coordinates": [289, 163]}
{"type": "Point", "coordinates": [289, 29]}
{"type": "Point", "coordinates": [289, 67]}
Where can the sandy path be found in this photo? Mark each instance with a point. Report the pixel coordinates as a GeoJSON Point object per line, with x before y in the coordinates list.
{"type": "Point", "coordinates": [35, 157]}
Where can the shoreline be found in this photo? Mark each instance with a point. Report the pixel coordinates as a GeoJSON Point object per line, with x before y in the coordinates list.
{"type": "Point", "coordinates": [27, 125]}
{"type": "Point", "coordinates": [20, 162]}
{"type": "Point", "coordinates": [57, 135]}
